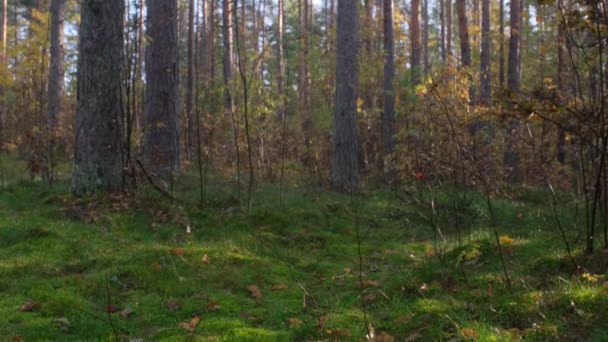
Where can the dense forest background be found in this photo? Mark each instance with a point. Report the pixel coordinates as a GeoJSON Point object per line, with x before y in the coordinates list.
{"type": "Point", "coordinates": [335, 140]}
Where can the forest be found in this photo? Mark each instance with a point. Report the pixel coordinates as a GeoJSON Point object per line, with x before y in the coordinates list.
{"type": "Point", "coordinates": [303, 170]}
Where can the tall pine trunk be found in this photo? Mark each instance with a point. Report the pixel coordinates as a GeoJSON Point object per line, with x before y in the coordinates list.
{"type": "Point", "coordinates": [501, 42]}
{"type": "Point", "coordinates": [161, 138]}
{"type": "Point", "coordinates": [344, 161]}
{"type": "Point", "coordinates": [485, 91]}
{"type": "Point", "coordinates": [190, 118]}
{"type": "Point", "coordinates": [513, 70]}
{"type": "Point", "coordinates": [465, 44]}
{"type": "Point", "coordinates": [388, 118]}
{"type": "Point", "coordinates": [55, 84]}
{"type": "Point", "coordinates": [415, 42]}
{"type": "Point", "coordinates": [98, 146]}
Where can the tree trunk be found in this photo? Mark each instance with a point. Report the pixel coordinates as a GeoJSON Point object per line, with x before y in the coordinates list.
{"type": "Point", "coordinates": [415, 41]}
{"type": "Point", "coordinates": [465, 44]}
{"type": "Point", "coordinates": [208, 43]}
{"type": "Point", "coordinates": [448, 38]}
{"type": "Point", "coordinates": [227, 36]}
{"type": "Point", "coordinates": [501, 42]}
{"type": "Point", "coordinates": [442, 31]}
{"type": "Point", "coordinates": [4, 28]}
{"type": "Point", "coordinates": [161, 138]}
{"type": "Point", "coordinates": [345, 165]}
{"type": "Point", "coordinates": [281, 58]}
{"type": "Point", "coordinates": [425, 35]}
{"type": "Point", "coordinates": [485, 65]}
{"type": "Point", "coordinates": [388, 119]}
{"type": "Point", "coordinates": [513, 71]}
{"type": "Point", "coordinates": [98, 146]}
{"type": "Point", "coordinates": [561, 84]}
{"type": "Point", "coordinates": [304, 79]}
{"type": "Point", "coordinates": [56, 76]}
{"type": "Point", "coordinates": [190, 123]}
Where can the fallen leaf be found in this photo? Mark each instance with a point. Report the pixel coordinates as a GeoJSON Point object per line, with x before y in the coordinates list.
{"type": "Point", "coordinates": [424, 287]}
{"type": "Point", "coordinates": [383, 337]}
{"type": "Point", "coordinates": [173, 305]}
{"type": "Point", "coordinates": [294, 322]}
{"type": "Point", "coordinates": [156, 266]}
{"type": "Point", "coordinates": [255, 291]}
{"type": "Point", "coordinates": [469, 333]}
{"type": "Point", "coordinates": [191, 324]}
{"type": "Point", "coordinates": [112, 308]}
{"type": "Point", "coordinates": [17, 339]}
{"type": "Point", "coordinates": [126, 313]}
{"type": "Point", "coordinates": [205, 259]}
{"type": "Point", "coordinates": [370, 283]}
{"type": "Point", "coordinates": [370, 297]}
{"type": "Point", "coordinates": [347, 270]}
{"type": "Point", "coordinates": [279, 287]}
{"type": "Point", "coordinates": [179, 252]}
{"type": "Point", "coordinates": [29, 306]}
{"type": "Point", "coordinates": [213, 306]}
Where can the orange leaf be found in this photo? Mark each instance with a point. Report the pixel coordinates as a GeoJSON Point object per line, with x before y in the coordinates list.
{"type": "Point", "coordinates": [205, 259]}
{"type": "Point", "coordinates": [191, 324]}
{"type": "Point", "coordinates": [279, 287]}
{"type": "Point", "coordinates": [213, 306]}
{"type": "Point", "coordinates": [294, 322]}
{"type": "Point", "coordinates": [29, 306]}
{"type": "Point", "coordinates": [255, 291]}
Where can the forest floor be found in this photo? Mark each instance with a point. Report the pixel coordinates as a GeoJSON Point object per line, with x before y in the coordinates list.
{"type": "Point", "coordinates": [139, 268]}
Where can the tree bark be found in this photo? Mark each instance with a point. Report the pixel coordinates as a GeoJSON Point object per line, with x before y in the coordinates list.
{"type": "Point", "coordinates": [281, 58]}
{"type": "Point", "coordinates": [442, 30]}
{"type": "Point", "coordinates": [56, 76]}
{"type": "Point", "coordinates": [161, 138]}
{"type": "Point", "coordinates": [425, 36]}
{"type": "Point", "coordinates": [344, 162]}
{"type": "Point", "coordinates": [415, 41]}
{"type": "Point", "coordinates": [485, 92]}
{"type": "Point", "coordinates": [465, 43]}
{"type": "Point", "coordinates": [501, 47]}
{"type": "Point", "coordinates": [513, 71]}
{"type": "Point", "coordinates": [448, 38]}
{"type": "Point", "coordinates": [304, 79]}
{"type": "Point", "coordinates": [388, 119]}
{"type": "Point", "coordinates": [98, 146]}
{"type": "Point", "coordinates": [190, 123]}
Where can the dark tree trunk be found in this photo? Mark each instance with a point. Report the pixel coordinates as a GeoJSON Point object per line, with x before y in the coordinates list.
{"type": "Point", "coordinates": [98, 145]}
{"type": "Point", "coordinates": [415, 41]}
{"type": "Point", "coordinates": [227, 36]}
{"type": "Point", "coordinates": [344, 163]}
{"type": "Point", "coordinates": [388, 119]}
{"type": "Point", "coordinates": [304, 79]}
{"type": "Point", "coordinates": [513, 71]}
{"type": "Point", "coordinates": [56, 76]}
{"type": "Point", "coordinates": [465, 44]}
{"type": "Point", "coordinates": [561, 84]}
{"type": "Point", "coordinates": [190, 119]}
{"type": "Point", "coordinates": [3, 28]}
{"type": "Point", "coordinates": [501, 47]}
{"type": "Point", "coordinates": [161, 138]}
{"type": "Point", "coordinates": [485, 91]}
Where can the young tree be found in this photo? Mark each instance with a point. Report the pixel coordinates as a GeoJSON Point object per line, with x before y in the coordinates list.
{"type": "Point", "coordinates": [388, 124]}
{"type": "Point", "coordinates": [415, 41]}
{"type": "Point", "coordinates": [161, 124]}
{"type": "Point", "coordinates": [98, 146]}
{"type": "Point", "coordinates": [485, 91]}
{"type": "Point", "coordinates": [56, 79]}
{"type": "Point", "coordinates": [344, 162]}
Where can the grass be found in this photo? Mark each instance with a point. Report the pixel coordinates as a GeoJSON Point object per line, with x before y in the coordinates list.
{"type": "Point", "coordinates": [77, 259]}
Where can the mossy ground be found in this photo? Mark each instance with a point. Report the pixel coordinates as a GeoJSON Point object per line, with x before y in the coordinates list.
{"type": "Point", "coordinates": [78, 258]}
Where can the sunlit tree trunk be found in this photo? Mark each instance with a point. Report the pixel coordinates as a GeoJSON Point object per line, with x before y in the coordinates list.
{"type": "Point", "coordinates": [425, 35]}
{"type": "Point", "coordinates": [98, 145]}
{"type": "Point", "coordinates": [280, 57]}
{"type": "Point", "coordinates": [344, 161]}
{"type": "Point", "coordinates": [501, 44]}
{"type": "Point", "coordinates": [442, 31]}
{"type": "Point", "coordinates": [161, 138]}
{"type": "Point", "coordinates": [388, 119]}
{"type": "Point", "coordinates": [448, 38]}
{"type": "Point", "coordinates": [56, 76]}
{"type": "Point", "coordinates": [465, 44]}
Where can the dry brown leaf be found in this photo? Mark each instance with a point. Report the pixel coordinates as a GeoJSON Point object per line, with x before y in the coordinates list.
{"type": "Point", "coordinates": [279, 287]}
{"type": "Point", "coordinates": [156, 266]}
{"type": "Point", "coordinates": [213, 306]}
{"type": "Point", "coordinates": [255, 292]}
{"type": "Point", "coordinates": [294, 322]}
{"type": "Point", "coordinates": [205, 259]}
{"type": "Point", "coordinates": [383, 337]}
{"type": "Point", "coordinates": [112, 308]}
{"type": "Point", "coordinates": [179, 252]}
{"type": "Point", "coordinates": [370, 283]}
{"type": "Point", "coordinates": [370, 298]}
{"type": "Point", "coordinates": [17, 339]}
{"type": "Point", "coordinates": [29, 306]}
{"type": "Point", "coordinates": [191, 324]}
